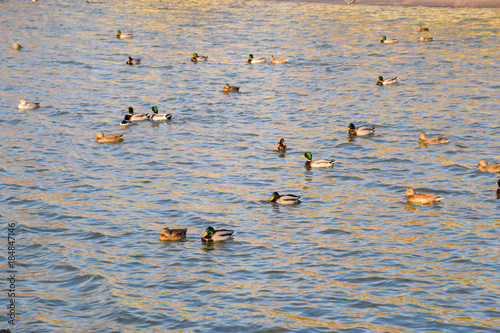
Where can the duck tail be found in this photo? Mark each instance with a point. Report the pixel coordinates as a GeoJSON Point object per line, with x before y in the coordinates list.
{"type": "Point", "coordinates": [168, 116]}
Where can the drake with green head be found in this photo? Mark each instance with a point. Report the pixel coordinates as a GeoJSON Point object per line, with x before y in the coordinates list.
{"type": "Point", "coordinates": [136, 117]}
{"type": "Point", "coordinates": [159, 117]}
{"type": "Point", "coordinates": [212, 235]}
{"type": "Point", "coordinates": [281, 145]}
{"type": "Point", "coordinates": [388, 41]}
{"type": "Point", "coordinates": [288, 199]}
{"type": "Point", "coordinates": [120, 34]}
{"type": "Point", "coordinates": [323, 163]}
{"type": "Point", "coordinates": [133, 61]}
{"type": "Point", "coordinates": [252, 60]}
{"type": "Point", "coordinates": [360, 131]}
{"type": "Point", "coordinates": [196, 58]}
{"type": "Point", "coordinates": [385, 82]}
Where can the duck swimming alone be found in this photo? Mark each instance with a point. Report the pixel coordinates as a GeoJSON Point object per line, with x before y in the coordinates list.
{"type": "Point", "coordinates": [196, 58]}
{"type": "Point", "coordinates": [28, 105]}
{"type": "Point", "coordinates": [172, 234]}
{"type": "Point", "coordinates": [252, 60]}
{"type": "Point", "coordinates": [420, 29]}
{"type": "Point", "coordinates": [421, 198]}
{"type": "Point", "coordinates": [159, 117]}
{"type": "Point", "coordinates": [288, 199]}
{"type": "Point", "coordinates": [323, 163]}
{"type": "Point", "coordinates": [360, 131]}
{"type": "Point", "coordinates": [212, 235]}
{"type": "Point", "coordinates": [227, 87]}
{"type": "Point", "coordinates": [278, 60]}
{"type": "Point", "coordinates": [426, 39]}
{"type": "Point", "coordinates": [388, 41]}
{"type": "Point", "coordinates": [110, 138]}
{"type": "Point", "coordinates": [120, 34]}
{"type": "Point", "coordinates": [386, 82]}
{"type": "Point", "coordinates": [281, 145]}
{"type": "Point", "coordinates": [133, 61]}
{"type": "Point", "coordinates": [136, 117]}
{"type": "Point", "coordinates": [16, 46]}
{"type": "Point", "coordinates": [493, 167]}
{"type": "Point", "coordinates": [434, 141]}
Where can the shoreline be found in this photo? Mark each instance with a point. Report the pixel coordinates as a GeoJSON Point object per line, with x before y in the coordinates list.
{"type": "Point", "coordinates": [425, 3]}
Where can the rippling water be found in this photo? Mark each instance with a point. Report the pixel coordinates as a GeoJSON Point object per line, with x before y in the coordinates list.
{"type": "Point", "coordinates": [354, 256]}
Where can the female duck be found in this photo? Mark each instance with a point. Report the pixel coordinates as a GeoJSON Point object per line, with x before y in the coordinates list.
{"type": "Point", "coordinates": [228, 88]}
{"type": "Point", "coordinates": [159, 117]}
{"type": "Point", "coordinates": [278, 60]}
{"type": "Point", "coordinates": [133, 61]}
{"type": "Point", "coordinates": [110, 138]}
{"type": "Point", "coordinates": [318, 163]}
{"type": "Point", "coordinates": [360, 131]}
{"type": "Point", "coordinates": [288, 199]}
{"type": "Point", "coordinates": [252, 60]}
{"type": "Point", "coordinates": [281, 145]}
{"type": "Point", "coordinates": [421, 198]}
{"type": "Point", "coordinates": [172, 234]}
{"type": "Point", "coordinates": [484, 166]}
{"type": "Point", "coordinates": [28, 105]}
{"type": "Point", "coordinates": [212, 235]}
{"type": "Point", "coordinates": [120, 34]}
{"type": "Point", "coordinates": [196, 58]}
{"type": "Point", "coordinates": [426, 39]}
{"type": "Point", "coordinates": [136, 117]}
{"type": "Point", "coordinates": [382, 82]}
{"type": "Point", "coordinates": [434, 141]}
{"type": "Point", "coordinates": [420, 29]}
{"type": "Point", "coordinates": [388, 41]}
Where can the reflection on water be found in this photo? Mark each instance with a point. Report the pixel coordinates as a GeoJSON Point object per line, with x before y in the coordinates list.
{"type": "Point", "coordinates": [353, 256]}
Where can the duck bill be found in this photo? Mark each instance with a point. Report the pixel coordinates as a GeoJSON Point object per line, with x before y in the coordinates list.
{"type": "Point", "coordinates": [204, 235]}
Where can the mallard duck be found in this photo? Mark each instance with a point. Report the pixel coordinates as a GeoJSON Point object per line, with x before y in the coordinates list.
{"type": "Point", "coordinates": [281, 145]}
{"type": "Point", "coordinates": [421, 198]}
{"type": "Point", "coordinates": [28, 105]}
{"type": "Point", "coordinates": [227, 87]}
{"type": "Point", "coordinates": [252, 60]}
{"type": "Point", "coordinates": [387, 41]}
{"type": "Point", "coordinates": [126, 121]}
{"type": "Point", "coordinates": [172, 234]}
{"type": "Point", "coordinates": [420, 29]}
{"type": "Point", "coordinates": [110, 138]}
{"type": "Point", "coordinates": [288, 199]}
{"type": "Point", "coordinates": [434, 141]}
{"type": "Point", "coordinates": [426, 39]}
{"type": "Point", "coordinates": [212, 235]}
{"type": "Point", "coordinates": [382, 82]}
{"type": "Point", "coordinates": [196, 58]}
{"type": "Point", "coordinates": [159, 117]}
{"type": "Point", "coordinates": [318, 163]}
{"type": "Point", "coordinates": [484, 166]}
{"type": "Point", "coordinates": [279, 60]}
{"type": "Point", "coordinates": [136, 117]}
{"type": "Point", "coordinates": [16, 46]}
{"type": "Point", "coordinates": [120, 34]}
{"type": "Point", "coordinates": [360, 131]}
{"type": "Point", "coordinates": [133, 61]}
{"type": "Point", "coordinates": [498, 189]}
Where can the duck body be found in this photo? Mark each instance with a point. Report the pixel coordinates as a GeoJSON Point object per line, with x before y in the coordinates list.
{"type": "Point", "coordinates": [110, 138]}
{"type": "Point", "coordinates": [281, 145]}
{"type": "Point", "coordinates": [196, 58]}
{"type": "Point", "coordinates": [420, 29]}
{"type": "Point", "coordinates": [136, 117]}
{"type": "Point", "coordinates": [133, 61]}
{"type": "Point", "coordinates": [126, 121]}
{"type": "Point", "coordinates": [385, 82]}
{"type": "Point", "coordinates": [278, 60]}
{"type": "Point", "coordinates": [120, 34]}
{"type": "Point", "coordinates": [16, 46]}
{"type": "Point", "coordinates": [323, 163]}
{"type": "Point", "coordinates": [421, 198]}
{"type": "Point", "coordinates": [158, 116]}
{"type": "Point", "coordinates": [433, 141]}
{"type": "Point", "coordinates": [360, 131]}
{"type": "Point", "coordinates": [212, 235]}
{"type": "Point", "coordinates": [23, 104]}
{"type": "Point", "coordinates": [172, 234]}
{"type": "Point", "coordinates": [287, 199]}
{"type": "Point", "coordinates": [426, 39]}
{"type": "Point", "coordinates": [252, 60]}
{"type": "Point", "coordinates": [493, 167]}
{"type": "Point", "coordinates": [384, 40]}
{"type": "Point", "coordinates": [227, 87]}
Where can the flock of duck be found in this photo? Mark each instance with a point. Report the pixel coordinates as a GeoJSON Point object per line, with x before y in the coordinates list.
{"type": "Point", "coordinates": [212, 235]}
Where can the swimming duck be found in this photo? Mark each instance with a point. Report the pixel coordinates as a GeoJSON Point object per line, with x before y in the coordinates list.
{"type": "Point", "coordinates": [387, 41]}
{"type": "Point", "coordinates": [484, 166]}
{"type": "Point", "coordinates": [281, 145]}
{"type": "Point", "coordinates": [420, 29]}
{"type": "Point", "coordinates": [110, 138]}
{"type": "Point", "coordinates": [136, 117]}
{"type": "Point", "coordinates": [318, 163]}
{"type": "Point", "coordinates": [28, 105]}
{"type": "Point", "coordinates": [498, 189]}
{"type": "Point", "coordinates": [252, 60]}
{"type": "Point", "coordinates": [437, 140]}
{"type": "Point", "coordinates": [279, 60]}
{"type": "Point", "coordinates": [288, 199]}
{"type": "Point", "coordinates": [196, 58]}
{"type": "Point", "coordinates": [16, 46]}
{"type": "Point", "coordinates": [360, 131]}
{"type": "Point", "coordinates": [159, 117]}
{"type": "Point", "coordinates": [133, 61]}
{"type": "Point", "coordinates": [426, 39]}
{"type": "Point", "coordinates": [212, 235]}
{"type": "Point", "coordinates": [172, 234]}
{"type": "Point", "coordinates": [227, 87]}
{"type": "Point", "coordinates": [120, 34]}
{"type": "Point", "coordinates": [421, 198]}
{"type": "Point", "coordinates": [382, 82]}
{"type": "Point", "coordinates": [126, 121]}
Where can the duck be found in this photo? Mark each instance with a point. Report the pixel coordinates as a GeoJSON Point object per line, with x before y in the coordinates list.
{"type": "Point", "coordinates": [323, 163]}
{"type": "Point", "coordinates": [133, 61]}
{"type": "Point", "coordinates": [252, 60]}
{"type": "Point", "coordinates": [281, 145]}
{"type": "Point", "coordinates": [110, 138]}
{"type": "Point", "coordinates": [28, 105]}
{"type": "Point", "coordinates": [498, 189]}
{"type": "Point", "coordinates": [16, 46]}
{"type": "Point", "coordinates": [196, 58]}
{"type": "Point", "coordinates": [382, 82]}
{"type": "Point", "coordinates": [437, 140]}
{"type": "Point", "coordinates": [279, 60]}
{"type": "Point", "coordinates": [484, 166]}
{"type": "Point", "coordinates": [136, 117]}
{"type": "Point", "coordinates": [288, 199]}
{"type": "Point", "coordinates": [120, 34]}
{"type": "Point", "coordinates": [420, 29]}
{"type": "Point", "coordinates": [421, 198]}
{"type": "Point", "coordinates": [212, 235]}
{"type": "Point", "coordinates": [227, 87]}
{"type": "Point", "coordinates": [126, 121]}
{"type": "Point", "coordinates": [426, 39]}
{"type": "Point", "coordinates": [172, 234]}
{"type": "Point", "coordinates": [159, 117]}
{"type": "Point", "coordinates": [360, 131]}
{"type": "Point", "coordinates": [387, 41]}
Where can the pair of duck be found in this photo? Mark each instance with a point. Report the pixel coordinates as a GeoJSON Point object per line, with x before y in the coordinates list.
{"type": "Point", "coordinates": [131, 117]}
{"type": "Point", "coordinates": [322, 163]}
{"type": "Point", "coordinates": [252, 60]}
{"type": "Point", "coordinates": [210, 235]}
